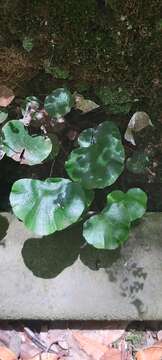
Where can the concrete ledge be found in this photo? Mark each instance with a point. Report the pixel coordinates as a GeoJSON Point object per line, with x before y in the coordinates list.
{"type": "Point", "coordinates": [57, 277]}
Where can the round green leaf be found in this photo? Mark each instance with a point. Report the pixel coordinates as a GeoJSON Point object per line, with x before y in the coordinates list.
{"type": "Point", "coordinates": [59, 103]}
{"type": "Point", "coordinates": [3, 116]}
{"type": "Point", "coordinates": [27, 43]}
{"type": "Point", "coordinates": [135, 200]}
{"type": "Point", "coordinates": [109, 229]}
{"type": "Point", "coordinates": [50, 205]}
{"type": "Point", "coordinates": [115, 196]}
{"type": "Point", "coordinates": [99, 164]}
{"type": "Point", "coordinates": [22, 147]}
{"type": "Point", "coordinates": [138, 163]}
{"type": "Point", "coordinates": [93, 135]}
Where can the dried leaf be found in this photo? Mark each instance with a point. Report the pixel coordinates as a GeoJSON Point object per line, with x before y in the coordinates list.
{"type": "Point", "coordinates": [105, 336]}
{"type": "Point", "coordinates": [84, 105]}
{"type": "Point", "coordinates": [6, 354]}
{"type": "Point", "coordinates": [138, 121]}
{"type": "Point", "coordinates": [112, 354]}
{"type": "Point", "coordinates": [91, 347]}
{"type": "Point", "coordinates": [6, 96]}
{"type": "Point", "coordinates": [15, 342]}
{"type": "Point", "coordinates": [152, 353]}
{"type": "Point", "coordinates": [4, 337]}
{"type": "Point", "coordinates": [46, 356]}
{"type": "Point", "coordinates": [28, 351]}
{"type": "Point", "coordinates": [129, 136]}
{"type": "Point", "coordinates": [159, 335]}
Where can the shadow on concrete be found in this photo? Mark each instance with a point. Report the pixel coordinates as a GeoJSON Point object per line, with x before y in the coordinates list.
{"type": "Point", "coordinates": [4, 224]}
{"type": "Point", "coordinates": [47, 257]}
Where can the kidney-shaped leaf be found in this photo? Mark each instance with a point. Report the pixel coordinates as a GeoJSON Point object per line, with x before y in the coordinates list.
{"type": "Point", "coordinates": [59, 103]}
{"type": "Point", "coordinates": [99, 160]}
{"type": "Point", "coordinates": [50, 205]}
{"type": "Point", "coordinates": [135, 200]}
{"type": "Point", "coordinates": [22, 147]}
{"type": "Point", "coordinates": [95, 135]}
{"type": "Point", "coordinates": [109, 229]}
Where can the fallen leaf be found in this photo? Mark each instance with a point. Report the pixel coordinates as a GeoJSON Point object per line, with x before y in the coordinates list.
{"type": "Point", "coordinates": [83, 104]}
{"type": "Point", "coordinates": [91, 347]}
{"type": "Point", "coordinates": [138, 121]}
{"type": "Point", "coordinates": [6, 354]}
{"type": "Point", "coordinates": [159, 335]}
{"type": "Point", "coordinates": [15, 342]}
{"type": "Point", "coordinates": [112, 354]}
{"type": "Point", "coordinates": [46, 356]}
{"type": "Point", "coordinates": [105, 336]}
{"type": "Point", "coordinates": [6, 96]}
{"type": "Point", "coordinates": [4, 336]}
{"type": "Point", "coordinates": [153, 352]}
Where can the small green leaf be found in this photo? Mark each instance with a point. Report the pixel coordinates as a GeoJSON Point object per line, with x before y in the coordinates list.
{"type": "Point", "coordinates": [50, 205]}
{"type": "Point", "coordinates": [59, 103]}
{"type": "Point", "coordinates": [100, 159]}
{"type": "Point", "coordinates": [138, 163]}
{"type": "Point", "coordinates": [135, 200]}
{"type": "Point", "coordinates": [109, 229]}
{"type": "Point", "coordinates": [3, 116]}
{"type": "Point", "coordinates": [101, 133]}
{"type": "Point", "coordinates": [27, 43]}
{"type": "Point", "coordinates": [22, 147]}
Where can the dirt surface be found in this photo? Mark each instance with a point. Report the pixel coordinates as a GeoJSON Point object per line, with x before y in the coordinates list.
{"type": "Point", "coordinates": [82, 44]}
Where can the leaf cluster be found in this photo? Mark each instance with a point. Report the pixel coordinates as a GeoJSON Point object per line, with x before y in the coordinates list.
{"type": "Point", "coordinates": [96, 162]}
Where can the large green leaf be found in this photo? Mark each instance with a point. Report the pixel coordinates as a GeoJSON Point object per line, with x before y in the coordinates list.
{"type": "Point", "coordinates": [59, 103]}
{"type": "Point", "coordinates": [22, 147]}
{"type": "Point", "coordinates": [50, 205]}
{"type": "Point", "coordinates": [100, 159]}
{"type": "Point", "coordinates": [135, 200]}
{"type": "Point", "coordinates": [109, 229]}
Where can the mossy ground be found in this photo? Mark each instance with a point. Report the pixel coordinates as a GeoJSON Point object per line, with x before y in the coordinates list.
{"type": "Point", "coordinates": [96, 41]}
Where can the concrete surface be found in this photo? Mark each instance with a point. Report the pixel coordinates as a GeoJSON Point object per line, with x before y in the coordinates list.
{"type": "Point", "coordinates": [58, 277]}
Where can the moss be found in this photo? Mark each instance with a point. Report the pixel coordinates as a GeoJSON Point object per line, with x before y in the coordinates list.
{"type": "Point", "coordinates": [117, 45]}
